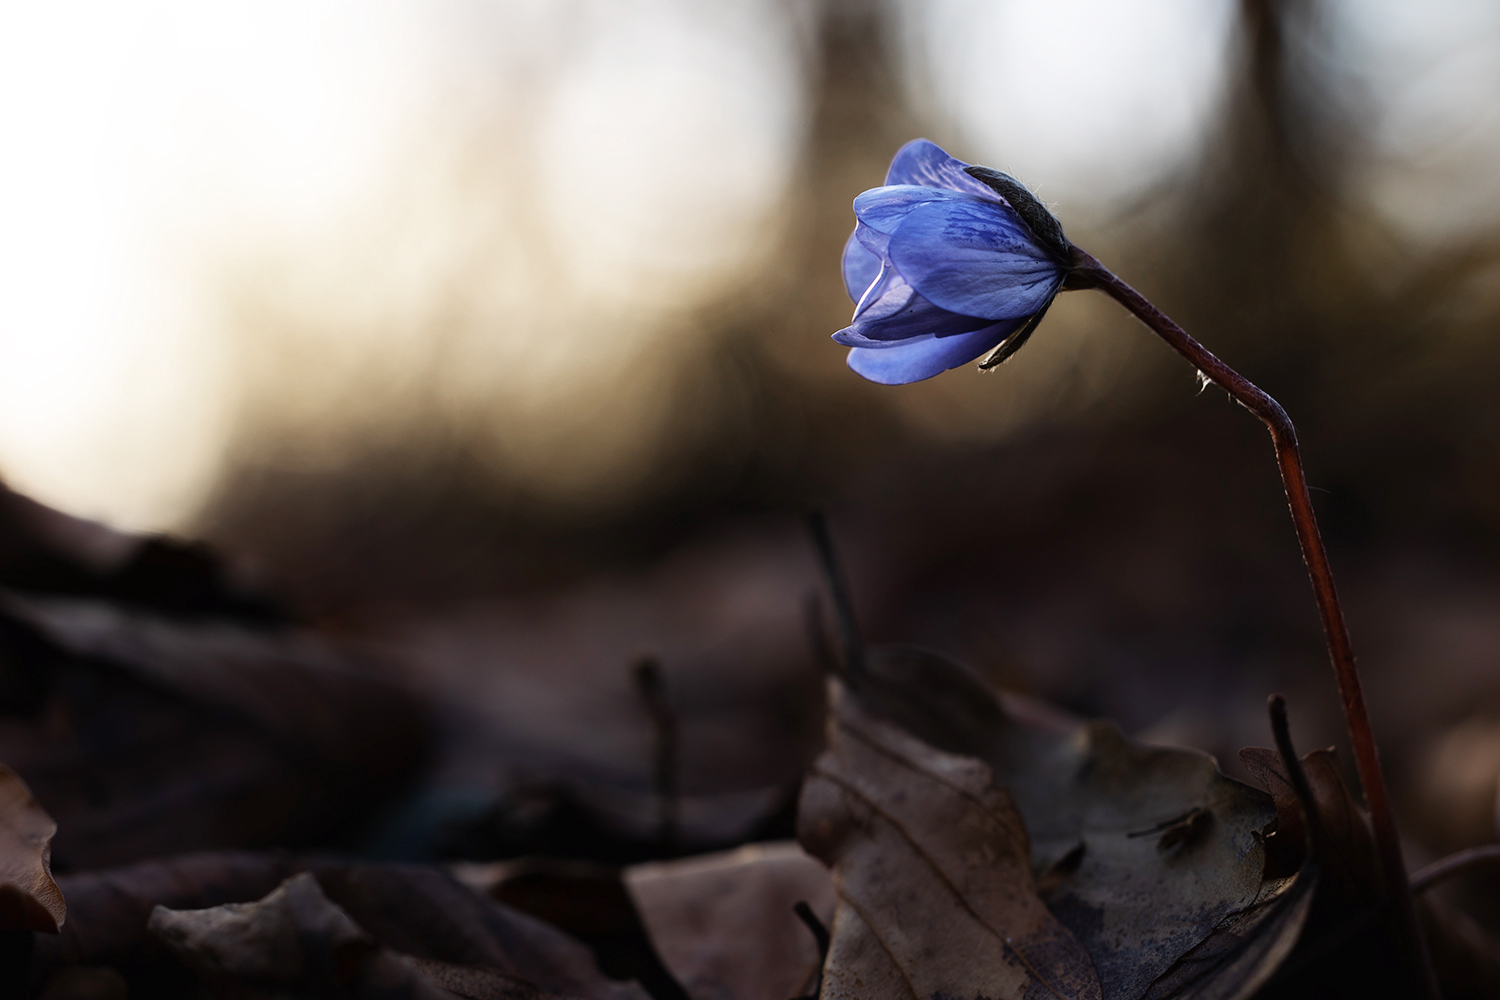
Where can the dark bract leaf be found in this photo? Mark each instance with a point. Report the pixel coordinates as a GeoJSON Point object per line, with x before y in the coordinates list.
{"type": "Point", "coordinates": [1043, 223]}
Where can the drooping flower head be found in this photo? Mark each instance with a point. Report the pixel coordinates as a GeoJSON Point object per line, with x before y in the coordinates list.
{"type": "Point", "coordinates": [946, 263]}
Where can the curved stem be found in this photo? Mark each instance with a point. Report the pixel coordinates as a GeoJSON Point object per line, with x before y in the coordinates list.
{"type": "Point", "coordinates": [1088, 272]}
{"type": "Point", "coordinates": [1454, 864]}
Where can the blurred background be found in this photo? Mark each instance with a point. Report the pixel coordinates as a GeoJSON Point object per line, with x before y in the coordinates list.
{"type": "Point", "coordinates": [493, 336]}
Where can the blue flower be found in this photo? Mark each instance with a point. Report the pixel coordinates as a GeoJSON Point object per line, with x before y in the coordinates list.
{"type": "Point", "coordinates": [947, 262]}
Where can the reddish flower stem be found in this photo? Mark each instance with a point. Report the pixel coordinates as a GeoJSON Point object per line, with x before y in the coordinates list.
{"type": "Point", "coordinates": [1089, 273]}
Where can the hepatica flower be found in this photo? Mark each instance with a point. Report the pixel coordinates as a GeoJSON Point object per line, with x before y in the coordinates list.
{"type": "Point", "coordinates": [948, 262]}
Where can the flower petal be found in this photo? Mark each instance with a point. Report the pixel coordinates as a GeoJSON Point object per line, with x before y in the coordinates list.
{"type": "Point", "coordinates": [876, 242]}
{"type": "Point", "coordinates": [888, 294]}
{"type": "Point", "coordinates": [884, 208]}
{"type": "Point", "coordinates": [924, 357]}
{"type": "Point", "coordinates": [971, 258]}
{"type": "Point", "coordinates": [861, 268]}
{"type": "Point", "coordinates": [900, 315]}
{"type": "Point", "coordinates": [922, 162]}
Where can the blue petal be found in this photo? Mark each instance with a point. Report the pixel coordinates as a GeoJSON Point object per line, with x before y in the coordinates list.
{"type": "Point", "coordinates": [884, 208]}
{"type": "Point", "coordinates": [924, 357]}
{"type": "Point", "coordinates": [975, 259]}
{"type": "Point", "coordinates": [922, 162]}
{"type": "Point", "coordinates": [903, 315]}
{"type": "Point", "coordinates": [873, 240]}
{"type": "Point", "coordinates": [888, 294]}
{"type": "Point", "coordinates": [861, 268]}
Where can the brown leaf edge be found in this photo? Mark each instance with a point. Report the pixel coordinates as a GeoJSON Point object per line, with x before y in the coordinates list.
{"type": "Point", "coordinates": [29, 899]}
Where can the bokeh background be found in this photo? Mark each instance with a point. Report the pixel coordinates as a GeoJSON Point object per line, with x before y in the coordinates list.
{"type": "Point", "coordinates": [494, 335]}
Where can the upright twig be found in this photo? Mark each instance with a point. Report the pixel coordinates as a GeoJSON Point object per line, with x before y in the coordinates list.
{"type": "Point", "coordinates": [1087, 272]}
{"type": "Point", "coordinates": [1312, 816]}
{"type": "Point", "coordinates": [653, 691]}
{"type": "Point", "coordinates": [843, 607]}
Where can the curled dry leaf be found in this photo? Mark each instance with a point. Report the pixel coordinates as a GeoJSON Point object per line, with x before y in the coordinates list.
{"type": "Point", "coordinates": [43, 550]}
{"type": "Point", "coordinates": [417, 911]}
{"type": "Point", "coordinates": [586, 900]}
{"type": "Point", "coordinates": [725, 925]}
{"type": "Point", "coordinates": [475, 982]}
{"type": "Point", "coordinates": [1346, 854]}
{"type": "Point", "coordinates": [29, 899]}
{"type": "Point", "coordinates": [1150, 856]}
{"type": "Point", "coordinates": [1246, 949]}
{"type": "Point", "coordinates": [932, 869]}
{"type": "Point", "coordinates": [108, 910]}
{"type": "Point", "coordinates": [246, 736]}
{"type": "Point", "coordinates": [297, 688]}
{"type": "Point", "coordinates": [297, 942]}
{"type": "Point", "coordinates": [292, 943]}
{"type": "Point", "coordinates": [423, 912]}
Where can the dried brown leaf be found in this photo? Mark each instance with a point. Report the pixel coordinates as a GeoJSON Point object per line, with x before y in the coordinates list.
{"type": "Point", "coordinates": [475, 982]}
{"type": "Point", "coordinates": [1346, 857]}
{"type": "Point", "coordinates": [248, 737]}
{"type": "Point", "coordinates": [423, 912]}
{"type": "Point", "coordinates": [1245, 950]}
{"type": "Point", "coordinates": [29, 899]}
{"type": "Point", "coordinates": [585, 899]}
{"type": "Point", "coordinates": [1144, 853]}
{"type": "Point", "coordinates": [724, 923]}
{"type": "Point", "coordinates": [108, 910]}
{"type": "Point", "coordinates": [417, 911]}
{"type": "Point", "coordinates": [292, 684]}
{"type": "Point", "coordinates": [932, 868]}
{"type": "Point", "coordinates": [292, 943]}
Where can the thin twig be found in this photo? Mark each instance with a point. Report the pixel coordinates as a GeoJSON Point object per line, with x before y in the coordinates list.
{"type": "Point", "coordinates": [818, 642]}
{"type": "Point", "coordinates": [653, 691]}
{"type": "Point", "coordinates": [843, 607]}
{"type": "Point", "coordinates": [1312, 817]}
{"type": "Point", "coordinates": [1088, 272]}
{"type": "Point", "coordinates": [1454, 864]}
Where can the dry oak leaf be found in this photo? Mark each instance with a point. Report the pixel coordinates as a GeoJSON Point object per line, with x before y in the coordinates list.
{"type": "Point", "coordinates": [1149, 855]}
{"type": "Point", "coordinates": [292, 943]}
{"type": "Point", "coordinates": [724, 924]}
{"type": "Point", "coordinates": [932, 869]}
{"type": "Point", "coordinates": [29, 899]}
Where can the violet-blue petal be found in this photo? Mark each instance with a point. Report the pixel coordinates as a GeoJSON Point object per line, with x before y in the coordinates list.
{"type": "Point", "coordinates": [873, 240]}
{"type": "Point", "coordinates": [924, 357]}
{"type": "Point", "coordinates": [968, 257]}
{"type": "Point", "coordinates": [914, 318]}
{"type": "Point", "coordinates": [887, 295]}
{"type": "Point", "coordinates": [923, 162]}
{"type": "Point", "coordinates": [884, 208]}
{"type": "Point", "coordinates": [861, 268]}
